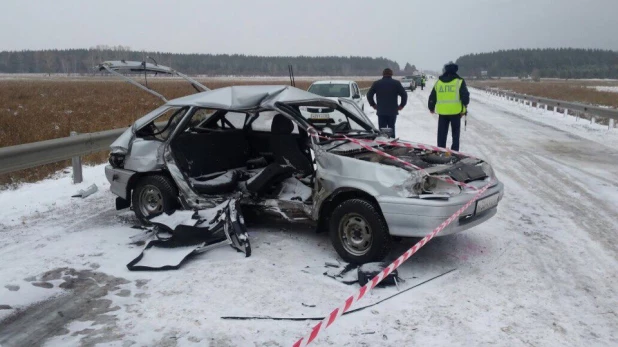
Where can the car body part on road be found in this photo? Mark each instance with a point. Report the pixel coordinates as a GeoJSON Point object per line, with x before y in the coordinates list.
{"type": "Point", "coordinates": [299, 319]}
{"type": "Point", "coordinates": [197, 151]}
{"type": "Point", "coordinates": [84, 193]}
{"type": "Point", "coordinates": [192, 232]}
{"type": "Point", "coordinates": [370, 270]}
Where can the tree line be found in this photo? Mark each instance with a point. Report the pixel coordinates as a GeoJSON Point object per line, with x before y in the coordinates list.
{"type": "Point", "coordinates": [82, 61]}
{"type": "Point", "coordinates": [549, 62]}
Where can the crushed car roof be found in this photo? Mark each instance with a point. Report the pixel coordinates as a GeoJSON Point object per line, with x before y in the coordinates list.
{"type": "Point", "coordinates": [246, 97]}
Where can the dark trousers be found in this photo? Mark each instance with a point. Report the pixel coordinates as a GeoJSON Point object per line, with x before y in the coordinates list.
{"type": "Point", "coordinates": [443, 123]}
{"type": "Point", "coordinates": [387, 122]}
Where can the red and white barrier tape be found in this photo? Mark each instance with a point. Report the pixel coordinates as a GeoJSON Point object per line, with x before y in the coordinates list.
{"type": "Point", "coordinates": [419, 146]}
{"type": "Point", "coordinates": [384, 154]}
{"type": "Point", "coordinates": [361, 143]}
{"type": "Point", "coordinates": [336, 313]}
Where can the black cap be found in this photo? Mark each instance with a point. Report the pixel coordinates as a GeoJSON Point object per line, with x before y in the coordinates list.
{"type": "Point", "coordinates": [451, 67]}
{"type": "Point", "coordinates": [387, 72]}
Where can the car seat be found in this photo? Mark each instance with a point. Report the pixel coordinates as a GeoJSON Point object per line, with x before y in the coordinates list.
{"type": "Point", "coordinates": [288, 158]}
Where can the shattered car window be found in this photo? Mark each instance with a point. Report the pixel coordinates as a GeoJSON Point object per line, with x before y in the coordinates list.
{"type": "Point", "coordinates": [265, 120]}
{"type": "Point", "coordinates": [237, 119]}
{"type": "Point", "coordinates": [162, 126]}
{"type": "Point", "coordinates": [199, 116]}
{"type": "Point", "coordinates": [218, 119]}
{"type": "Point", "coordinates": [335, 119]}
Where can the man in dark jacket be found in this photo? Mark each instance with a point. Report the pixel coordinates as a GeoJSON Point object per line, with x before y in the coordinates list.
{"type": "Point", "coordinates": [449, 98]}
{"type": "Point", "coordinates": [388, 107]}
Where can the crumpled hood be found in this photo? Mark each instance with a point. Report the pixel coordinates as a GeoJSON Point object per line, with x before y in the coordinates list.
{"type": "Point", "coordinates": [457, 167]}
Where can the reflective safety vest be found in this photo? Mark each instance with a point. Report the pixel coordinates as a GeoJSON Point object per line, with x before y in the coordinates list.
{"type": "Point", "coordinates": [448, 100]}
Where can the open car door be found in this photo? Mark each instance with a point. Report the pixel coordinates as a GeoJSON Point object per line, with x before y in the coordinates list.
{"type": "Point", "coordinates": [353, 107]}
{"type": "Point", "coordinates": [117, 67]}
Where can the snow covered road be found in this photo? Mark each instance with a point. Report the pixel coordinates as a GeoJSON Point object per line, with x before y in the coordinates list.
{"type": "Point", "coordinates": [544, 271]}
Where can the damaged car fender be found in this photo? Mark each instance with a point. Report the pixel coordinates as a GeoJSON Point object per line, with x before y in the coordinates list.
{"type": "Point", "coordinates": [145, 156]}
{"type": "Point", "coordinates": [335, 172]}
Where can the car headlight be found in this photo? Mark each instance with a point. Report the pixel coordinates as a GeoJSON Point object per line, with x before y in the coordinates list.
{"type": "Point", "coordinates": [434, 186]}
{"type": "Point", "coordinates": [116, 160]}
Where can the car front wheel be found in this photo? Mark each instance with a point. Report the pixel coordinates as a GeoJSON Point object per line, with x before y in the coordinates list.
{"type": "Point", "coordinates": [152, 196]}
{"type": "Point", "coordinates": [358, 232]}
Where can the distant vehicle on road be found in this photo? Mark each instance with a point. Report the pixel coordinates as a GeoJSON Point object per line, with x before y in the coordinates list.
{"type": "Point", "coordinates": [408, 82]}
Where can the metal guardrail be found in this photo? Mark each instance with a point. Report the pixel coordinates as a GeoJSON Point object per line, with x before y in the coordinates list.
{"type": "Point", "coordinates": [50, 151]}
{"type": "Point", "coordinates": [610, 113]}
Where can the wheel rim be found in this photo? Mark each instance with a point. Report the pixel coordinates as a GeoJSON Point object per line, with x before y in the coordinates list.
{"type": "Point", "coordinates": [355, 234]}
{"type": "Point", "coordinates": [150, 201]}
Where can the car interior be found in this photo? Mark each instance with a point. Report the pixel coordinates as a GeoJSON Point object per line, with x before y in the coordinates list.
{"type": "Point", "coordinates": [257, 151]}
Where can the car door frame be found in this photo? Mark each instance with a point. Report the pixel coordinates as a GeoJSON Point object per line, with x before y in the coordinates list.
{"type": "Point", "coordinates": [356, 91]}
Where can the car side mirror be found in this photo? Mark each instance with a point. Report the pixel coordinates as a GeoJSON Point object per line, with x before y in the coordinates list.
{"type": "Point", "coordinates": [356, 96]}
{"type": "Point", "coordinates": [387, 131]}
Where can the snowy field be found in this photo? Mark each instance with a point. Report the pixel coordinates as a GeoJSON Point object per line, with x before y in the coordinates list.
{"type": "Point", "coordinates": [543, 272]}
{"type": "Point", "coordinates": [612, 89]}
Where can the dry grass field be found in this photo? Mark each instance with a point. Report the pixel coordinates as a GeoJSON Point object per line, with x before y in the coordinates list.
{"type": "Point", "coordinates": [36, 109]}
{"type": "Point", "coordinates": [567, 90]}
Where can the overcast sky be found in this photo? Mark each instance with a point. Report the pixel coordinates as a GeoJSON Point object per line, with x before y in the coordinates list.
{"type": "Point", "coordinates": [426, 33]}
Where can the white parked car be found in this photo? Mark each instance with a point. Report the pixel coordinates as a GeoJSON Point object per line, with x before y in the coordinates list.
{"type": "Point", "coordinates": [338, 89]}
{"type": "Point", "coordinates": [408, 82]}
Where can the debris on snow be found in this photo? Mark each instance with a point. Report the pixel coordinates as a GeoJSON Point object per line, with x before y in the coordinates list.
{"type": "Point", "coordinates": [84, 193]}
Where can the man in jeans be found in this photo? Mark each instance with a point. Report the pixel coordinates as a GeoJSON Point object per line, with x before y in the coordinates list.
{"type": "Point", "coordinates": [388, 107]}
{"type": "Point", "coordinates": [449, 98]}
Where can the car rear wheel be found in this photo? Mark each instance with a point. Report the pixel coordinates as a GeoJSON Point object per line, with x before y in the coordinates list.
{"type": "Point", "coordinates": [152, 196]}
{"type": "Point", "coordinates": [358, 232]}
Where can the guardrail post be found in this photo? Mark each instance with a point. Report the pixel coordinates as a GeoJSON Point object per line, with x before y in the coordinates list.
{"type": "Point", "coordinates": [77, 166]}
{"type": "Point", "coordinates": [611, 123]}
{"type": "Point", "coordinates": [566, 112]}
{"type": "Point", "coordinates": [593, 120]}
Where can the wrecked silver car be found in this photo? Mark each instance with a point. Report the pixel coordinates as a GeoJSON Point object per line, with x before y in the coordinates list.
{"type": "Point", "coordinates": [259, 145]}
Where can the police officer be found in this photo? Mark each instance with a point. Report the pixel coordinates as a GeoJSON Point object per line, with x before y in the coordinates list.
{"type": "Point", "coordinates": [449, 98]}
{"type": "Point", "coordinates": [423, 82]}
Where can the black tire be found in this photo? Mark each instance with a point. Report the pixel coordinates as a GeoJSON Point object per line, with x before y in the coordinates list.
{"type": "Point", "coordinates": [361, 218]}
{"type": "Point", "coordinates": [161, 193]}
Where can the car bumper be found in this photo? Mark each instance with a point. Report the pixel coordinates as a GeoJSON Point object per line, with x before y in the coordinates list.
{"type": "Point", "coordinates": [118, 180]}
{"type": "Point", "coordinates": [409, 217]}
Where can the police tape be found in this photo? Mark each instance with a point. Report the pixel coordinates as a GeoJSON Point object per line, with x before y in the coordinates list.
{"type": "Point", "coordinates": [403, 162]}
{"type": "Point", "coordinates": [363, 144]}
{"type": "Point", "coordinates": [339, 311]}
{"type": "Point", "coordinates": [414, 145]}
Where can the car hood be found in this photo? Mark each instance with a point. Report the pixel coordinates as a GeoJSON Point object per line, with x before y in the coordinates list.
{"type": "Point", "coordinates": [457, 167]}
